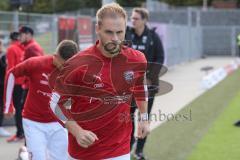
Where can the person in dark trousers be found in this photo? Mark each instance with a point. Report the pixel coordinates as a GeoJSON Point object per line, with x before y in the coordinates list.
{"type": "Point", "coordinates": [42, 132]}
{"type": "Point", "coordinates": [14, 56]}
{"type": "Point", "coordinates": [3, 132]}
{"type": "Point", "coordinates": [147, 41]}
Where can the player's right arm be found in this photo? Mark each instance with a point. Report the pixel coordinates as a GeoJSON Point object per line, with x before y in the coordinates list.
{"type": "Point", "coordinates": [22, 69]}
{"type": "Point", "coordinates": [61, 102]}
{"type": "Point", "coordinates": [11, 58]}
{"type": "Point", "coordinates": [85, 138]}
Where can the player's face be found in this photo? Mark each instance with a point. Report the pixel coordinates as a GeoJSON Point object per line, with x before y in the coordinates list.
{"type": "Point", "coordinates": [111, 30]}
{"type": "Point", "coordinates": [23, 37]}
{"type": "Point", "coordinates": [137, 20]}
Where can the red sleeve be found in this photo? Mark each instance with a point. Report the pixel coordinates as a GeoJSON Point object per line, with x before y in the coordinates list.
{"type": "Point", "coordinates": [66, 83]}
{"type": "Point", "coordinates": [140, 90]}
{"type": "Point", "coordinates": [59, 110]}
{"type": "Point", "coordinates": [11, 62]}
{"type": "Point", "coordinates": [10, 108]}
{"type": "Point", "coordinates": [11, 58]}
{"type": "Point", "coordinates": [16, 71]}
{"type": "Point", "coordinates": [24, 69]}
{"type": "Point", "coordinates": [62, 112]}
{"type": "Point", "coordinates": [57, 107]}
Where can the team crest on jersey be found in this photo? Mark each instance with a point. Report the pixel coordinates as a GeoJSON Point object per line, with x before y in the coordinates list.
{"type": "Point", "coordinates": [144, 39]}
{"type": "Point", "coordinates": [128, 76]}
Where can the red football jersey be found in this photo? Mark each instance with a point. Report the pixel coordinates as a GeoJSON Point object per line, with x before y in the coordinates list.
{"type": "Point", "coordinates": [101, 91]}
{"type": "Point", "coordinates": [37, 70]}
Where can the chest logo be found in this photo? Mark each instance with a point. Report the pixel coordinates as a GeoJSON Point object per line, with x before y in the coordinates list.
{"type": "Point", "coordinates": [45, 77]}
{"type": "Point", "coordinates": [128, 76]}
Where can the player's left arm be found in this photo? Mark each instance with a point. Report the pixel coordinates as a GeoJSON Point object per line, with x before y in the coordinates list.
{"type": "Point", "coordinates": [141, 98]}
{"type": "Point", "coordinates": [143, 122]}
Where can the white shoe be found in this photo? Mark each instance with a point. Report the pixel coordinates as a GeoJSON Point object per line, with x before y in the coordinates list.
{"type": "Point", "coordinates": [23, 154]}
{"type": "Point", "coordinates": [4, 132]}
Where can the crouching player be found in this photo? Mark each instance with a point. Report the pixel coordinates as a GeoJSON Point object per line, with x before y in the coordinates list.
{"type": "Point", "coordinates": [45, 138]}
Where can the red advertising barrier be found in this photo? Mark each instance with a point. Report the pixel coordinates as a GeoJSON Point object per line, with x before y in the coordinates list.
{"type": "Point", "coordinates": [67, 29]}
{"type": "Point", "coordinates": [77, 29]}
{"type": "Point", "coordinates": [85, 35]}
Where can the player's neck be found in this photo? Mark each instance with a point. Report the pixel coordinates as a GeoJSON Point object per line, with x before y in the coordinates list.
{"type": "Point", "coordinates": [139, 31]}
{"type": "Point", "coordinates": [58, 61]}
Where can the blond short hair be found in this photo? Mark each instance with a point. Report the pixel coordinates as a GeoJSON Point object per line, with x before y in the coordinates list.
{"type": "Point", "coordinates": [110, 10]}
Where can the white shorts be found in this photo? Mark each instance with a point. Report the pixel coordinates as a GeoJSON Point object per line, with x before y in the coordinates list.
{"type": "Point", "coordinates": [46, 141]}
{"type": "Point", "coordinates": [123, 157]}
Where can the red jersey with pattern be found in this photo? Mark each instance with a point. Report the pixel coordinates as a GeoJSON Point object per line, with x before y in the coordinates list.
{"type": "Point", "coordinates": [101, 90]}
{"type": "Point", "coordinates": [37, 70]}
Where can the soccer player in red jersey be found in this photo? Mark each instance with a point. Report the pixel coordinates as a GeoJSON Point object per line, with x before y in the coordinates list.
{"type": "Point", "coordinates": [31, 47]}
{"type": "Point", "coordinates": [45, 138]}
{"type": "Point", "coordinates": [93, 92]}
